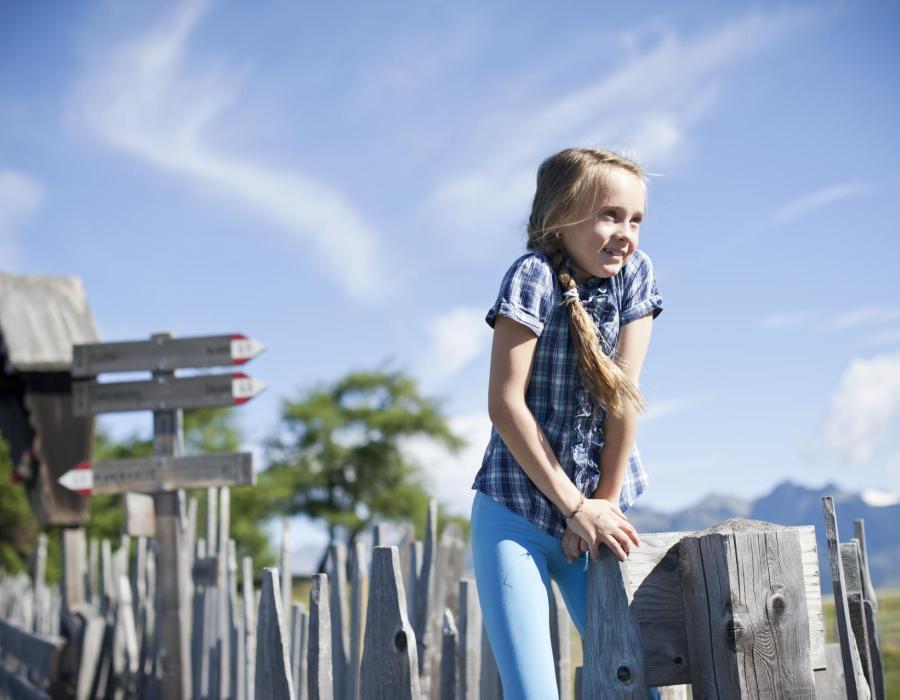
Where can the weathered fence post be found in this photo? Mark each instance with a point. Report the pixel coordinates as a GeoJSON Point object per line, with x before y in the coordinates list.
{"type": "Point", "coordinates": [358, 594]}
{"type": "Point", "coordinates": [319, 668]}
{"type": "Point", "coordinates": [390, 663]}
{"type": "Point", "coordinates": [560, 641]}
{"type": "Point", "coordinates": [273, 670]}
{"type": "Point", "coordinates": [449, 658]}
{"type": "Point", "coordinates": [469, 640]}
{"type": "Point", "coordinates": [339, 652]}
{"type": "Point", "coordinates": [745, 611]}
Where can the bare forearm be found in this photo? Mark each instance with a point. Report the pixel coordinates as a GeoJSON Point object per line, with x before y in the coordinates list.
{"type": "Point", "coordinates": [526, 441]}
{"type": "Point", "coordinates": [619, 436]}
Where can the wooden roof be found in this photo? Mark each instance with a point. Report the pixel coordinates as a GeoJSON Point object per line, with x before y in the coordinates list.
{"type": "Point", "coordinates": [41, 317]}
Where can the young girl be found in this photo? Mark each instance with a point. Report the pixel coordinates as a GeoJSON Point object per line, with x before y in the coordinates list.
{"type": "Point", "coordinates": [572, 325]}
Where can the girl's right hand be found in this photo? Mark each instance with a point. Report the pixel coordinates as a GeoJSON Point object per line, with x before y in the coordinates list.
{"type": "Point", "coordinates": [601, 522]}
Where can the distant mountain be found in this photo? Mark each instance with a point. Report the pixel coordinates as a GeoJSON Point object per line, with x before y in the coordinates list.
{"type": "Point", "coordinates": [792, 504]}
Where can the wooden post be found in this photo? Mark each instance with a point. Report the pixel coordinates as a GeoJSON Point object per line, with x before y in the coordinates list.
{"type": "Point", "coordinates": [287, 586]}
{"type": "Point", "coordinates": [850, 561]}
{"type": "Point", "coordinates": [299, 649]}
{"type": "Point", "coordinates": [173, 614]}
{"type": "Point", "coordinates": [223, 618]}
{"type": "Point", "coordinates": [389, 665]}
{"type": "Point", "coordinates": [319, 668]}
{"type": "Point", "coordinates": [745, 612]}
{"type": "Point", "coordinates": [339, 643]}
{"type": "Point", "coordinates": [358, 594]}
{"type": "Point", "coordinates": [560, 641]}
{"type": "Point", "coordinates": [249, 607]}
{"type": "Point", "coordinates": [856, 686]}
{"type": "Point", "coordinates": [490, 685]}
{"type": "Point", "coordinates": [425, 593]}
{"type": "Point", "coordinates": [273, 670]}
{"type": "Point", "coordinates": [469, 640]}
{"type": "Point", "coordinates": [449, 658]}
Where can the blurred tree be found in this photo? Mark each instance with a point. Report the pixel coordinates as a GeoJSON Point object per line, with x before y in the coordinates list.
{"type": "Point", "coordinates": [18, 526]}
{"type": "Point", "coordinates": [338, 457]}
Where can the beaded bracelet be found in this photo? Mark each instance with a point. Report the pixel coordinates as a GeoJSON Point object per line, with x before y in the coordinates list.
{"type": "Point", "coordinates": [577, 509]}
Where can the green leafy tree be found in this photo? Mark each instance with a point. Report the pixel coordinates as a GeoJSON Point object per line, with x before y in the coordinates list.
{"type": "Point", "coordinates": [338, 453]}
{"type": "Point", "coordinates": [18, 526]}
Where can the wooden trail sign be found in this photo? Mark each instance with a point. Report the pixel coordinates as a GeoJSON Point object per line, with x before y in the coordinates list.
{"type": "Point", "coordinates": [164, 353]}
{"type": "Point", "coordinates": [164, 393]}
{"type": "Point", "coordinates": [161, 473]}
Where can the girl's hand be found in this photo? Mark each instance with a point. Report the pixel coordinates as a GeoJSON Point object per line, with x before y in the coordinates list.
{"type": "Point", "coordinates": [601, 522]}
{"type": "Point", "coordinates": [572, 545]}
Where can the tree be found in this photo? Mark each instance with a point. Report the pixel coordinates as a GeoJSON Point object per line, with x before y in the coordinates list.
{"type": "Point", "coordinates": [337, 455]}
{"type": "Point", "coordinates": [18, 526]}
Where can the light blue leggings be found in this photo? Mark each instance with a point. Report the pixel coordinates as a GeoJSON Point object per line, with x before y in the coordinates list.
{"type": "Point", "coordinates": [514, 561]}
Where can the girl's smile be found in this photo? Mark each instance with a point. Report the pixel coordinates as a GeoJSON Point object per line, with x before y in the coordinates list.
{"type": "Point", "coordinates": [600, 245]}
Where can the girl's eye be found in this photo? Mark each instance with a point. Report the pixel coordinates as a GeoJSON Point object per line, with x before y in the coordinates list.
{"type": "Point", "coordinates": [608, 214]}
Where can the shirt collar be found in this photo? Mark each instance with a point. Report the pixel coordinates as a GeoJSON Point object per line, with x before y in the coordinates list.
{"type": "Point", "coordinates": [591, 283]}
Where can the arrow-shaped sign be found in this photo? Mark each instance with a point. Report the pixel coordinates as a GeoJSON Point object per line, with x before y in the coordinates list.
{"type": "Point", "coordinates": [156, 474]}
{"type": "Point", "coordinates": [164, 393]}
{"type": "Point", "coordinates": [90, 359]}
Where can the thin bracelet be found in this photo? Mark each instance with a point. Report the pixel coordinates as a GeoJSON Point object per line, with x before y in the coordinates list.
{"type": "Point", "coordinates": [577, 509]}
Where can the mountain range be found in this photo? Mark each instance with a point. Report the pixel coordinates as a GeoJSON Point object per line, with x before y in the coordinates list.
{"type": "Point", "coordinates": [790, 503]}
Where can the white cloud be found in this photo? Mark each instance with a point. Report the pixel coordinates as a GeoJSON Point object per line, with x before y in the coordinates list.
{"type": "Point", "coordinates": [663, 407]}
{"type": "Point", "coordinates": [144, 98]}
{"type": "Point", "coordinates": [455, 338]}
{"type": "Point", "coordinates": [649, 104]}
{"type": "Point", "coordinates": [449, 477]}
{"type": "Point", "coordinates": [863, 407]}
{"type": "Point", "coordinates": [787, 319]}
{"type": "Point", "coordinates": [817, 200]}
{"type": "Point", "coordinates": [858, 317]}
{"type": "Point", "coordinates": [20, 196]}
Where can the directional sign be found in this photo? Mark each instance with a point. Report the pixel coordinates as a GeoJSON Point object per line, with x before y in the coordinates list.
{"type": "Point", "coordinates": [91, 359]}
{"type": "Point", "coordinates": [156, 474]}
{"type": "Point", "coordinates": [164, 393]}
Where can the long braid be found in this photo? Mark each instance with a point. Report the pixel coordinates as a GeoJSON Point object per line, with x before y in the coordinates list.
{"type": "Point", "coordinates": [563, 180]}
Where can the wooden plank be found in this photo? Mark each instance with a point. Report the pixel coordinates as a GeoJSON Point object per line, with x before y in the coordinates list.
{"type": "Point", "coordinates": [320, 679]}
{"type": "Point", "coordinates": [299, 648]}
{"type": "Point", "coordinates": [425, 593]}
{"type": "Point", "coordinates": [358, 595]}
{"type": "Point", "coordinates": [39, 654]}
{"type": "Point", "coordinates": [249, 609]}
{"type": "Point", "coordinates": [340, 654]}
{"type": "Point", "coordinates": [654, 575]}
{"type": "Point", "coordinates": [853, 674]}
{"type": "Point", "coordinates": [223, 618]}
{"type": "Point", "coordinates": [273, 670]}
{"type": "Point", "coordinates": [449, 657]}
{"type": "Point", "coordinates": [167, 394]}
{"type": "Point", "coordinates": [859, 532]}
{"type": "Point", "coordinates": [614, 659]}
{"type": "Point", "coordinates": [74, 567]}
{"type": "Point", "coordinates": [236, 619]}
{"type": "Point", "coordinates": [878, 691]}
{"type": "Point", "coordinates": [412, 576]}
{"type": "Point", "coordinates": [160, 473]}
{"type": "Point", "coordinates": [850, 560]}
{"type": "Point", "coordinates": [469, 640]}
{"type": "Point", "coordinates": [745, 611]}
{"type": "Point", "coordinates": [560, 641]}
{"type": "Point", "coordinates": [389, 665]}
{"type": "Point", "coordinates": [140, 519]}
{"type": "Point", "coordinates": [490, 685]}
{"type": "Point", "coordinates": [89, 640]}
{"type": "Point", "coordinates": [830, 683]}
{"type": "Point", "coordinates": [15, 687]}
{"type": "Point", "coordinates": [89, 359]}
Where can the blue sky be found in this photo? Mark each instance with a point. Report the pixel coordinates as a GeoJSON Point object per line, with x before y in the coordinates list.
{"type": "Point", "coordinates": [348, 182]}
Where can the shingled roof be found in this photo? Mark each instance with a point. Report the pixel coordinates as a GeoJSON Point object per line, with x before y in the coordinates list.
{"type": "Point", "coordinates": [41, 317]}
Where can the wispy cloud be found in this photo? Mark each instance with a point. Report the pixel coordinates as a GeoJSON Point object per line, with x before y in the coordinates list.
{"type": "Point", "coordinates": [863, 407]}
{"type": "Point", "coordinates": [862, 316]}
{"type": "Point", "coordinates": [20, 196]}
{"type": "Point", "coordinates": [145, 98]}
{"type": "Point", "coordinates": [450, 476]}
{"type": "Point", "coordinates": [649, 104]}
{"type": "Point", "coordinates": [787, 319]}
{"type": "Point", "coordinates": [816, 200]}
{"type": "Point", "coordinates": [456, 338]}
{"type": "Point", "coordinates": [664, 407]}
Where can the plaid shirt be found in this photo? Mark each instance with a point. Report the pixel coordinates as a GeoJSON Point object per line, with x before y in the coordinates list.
{"type": "Point", "coordinates": [531, 294]}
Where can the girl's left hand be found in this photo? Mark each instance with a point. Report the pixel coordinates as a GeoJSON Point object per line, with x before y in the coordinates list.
{"type": "Point", "coordinates": [573, 546]}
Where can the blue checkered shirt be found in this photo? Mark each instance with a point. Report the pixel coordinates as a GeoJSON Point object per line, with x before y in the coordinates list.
{"type": "Point", "coordinates": [532, 294]}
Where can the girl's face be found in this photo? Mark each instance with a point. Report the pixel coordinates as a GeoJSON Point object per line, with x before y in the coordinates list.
{"type": "Point", "coordinates": [600, 245]}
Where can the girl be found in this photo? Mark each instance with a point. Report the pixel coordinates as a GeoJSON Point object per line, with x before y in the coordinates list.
{"type": "Point", "coordinates": [572, 325]}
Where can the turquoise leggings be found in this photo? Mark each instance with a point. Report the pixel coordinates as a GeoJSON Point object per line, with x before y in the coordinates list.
{"type": "Point", "coordinates": [514, 561]}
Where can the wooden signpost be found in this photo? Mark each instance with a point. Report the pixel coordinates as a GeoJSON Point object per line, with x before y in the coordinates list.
{"type": "Point", "coordinates": [169, 471]}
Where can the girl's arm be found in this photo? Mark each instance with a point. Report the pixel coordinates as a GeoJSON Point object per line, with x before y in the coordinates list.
{"type": "Point", "coordinates": [512, 354]}
{"type": "Point", "coordinates": [619, 433]}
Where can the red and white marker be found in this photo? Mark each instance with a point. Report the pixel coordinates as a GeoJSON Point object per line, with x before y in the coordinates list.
{"type": "Point", "coordinates": [79, 479]}
{"type": "Point", "coordinates": [244, 349]}
{"type": "Point", "coordinates": [244, 387]}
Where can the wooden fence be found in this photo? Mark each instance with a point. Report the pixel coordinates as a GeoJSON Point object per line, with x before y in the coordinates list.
{"type": "Point", "coordinates": [730, 612]}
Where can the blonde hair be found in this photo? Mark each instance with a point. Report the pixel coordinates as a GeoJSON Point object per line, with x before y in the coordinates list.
{"type": "Point", "coordinates": [570, 186]}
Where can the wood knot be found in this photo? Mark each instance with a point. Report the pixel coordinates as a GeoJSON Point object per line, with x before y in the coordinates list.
{"type": "Point", "coordinates": [776, 603]}
{"type": "Point", "coordinates": [400, 641]}
{"type": "Point", "coordinates": [623, 674]}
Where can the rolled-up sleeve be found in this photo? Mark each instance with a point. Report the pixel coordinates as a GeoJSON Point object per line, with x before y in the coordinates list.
{"type": "Point", "coordinates": [526, 293]}
{"type": "Point", "coordinates": [640, 295]}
